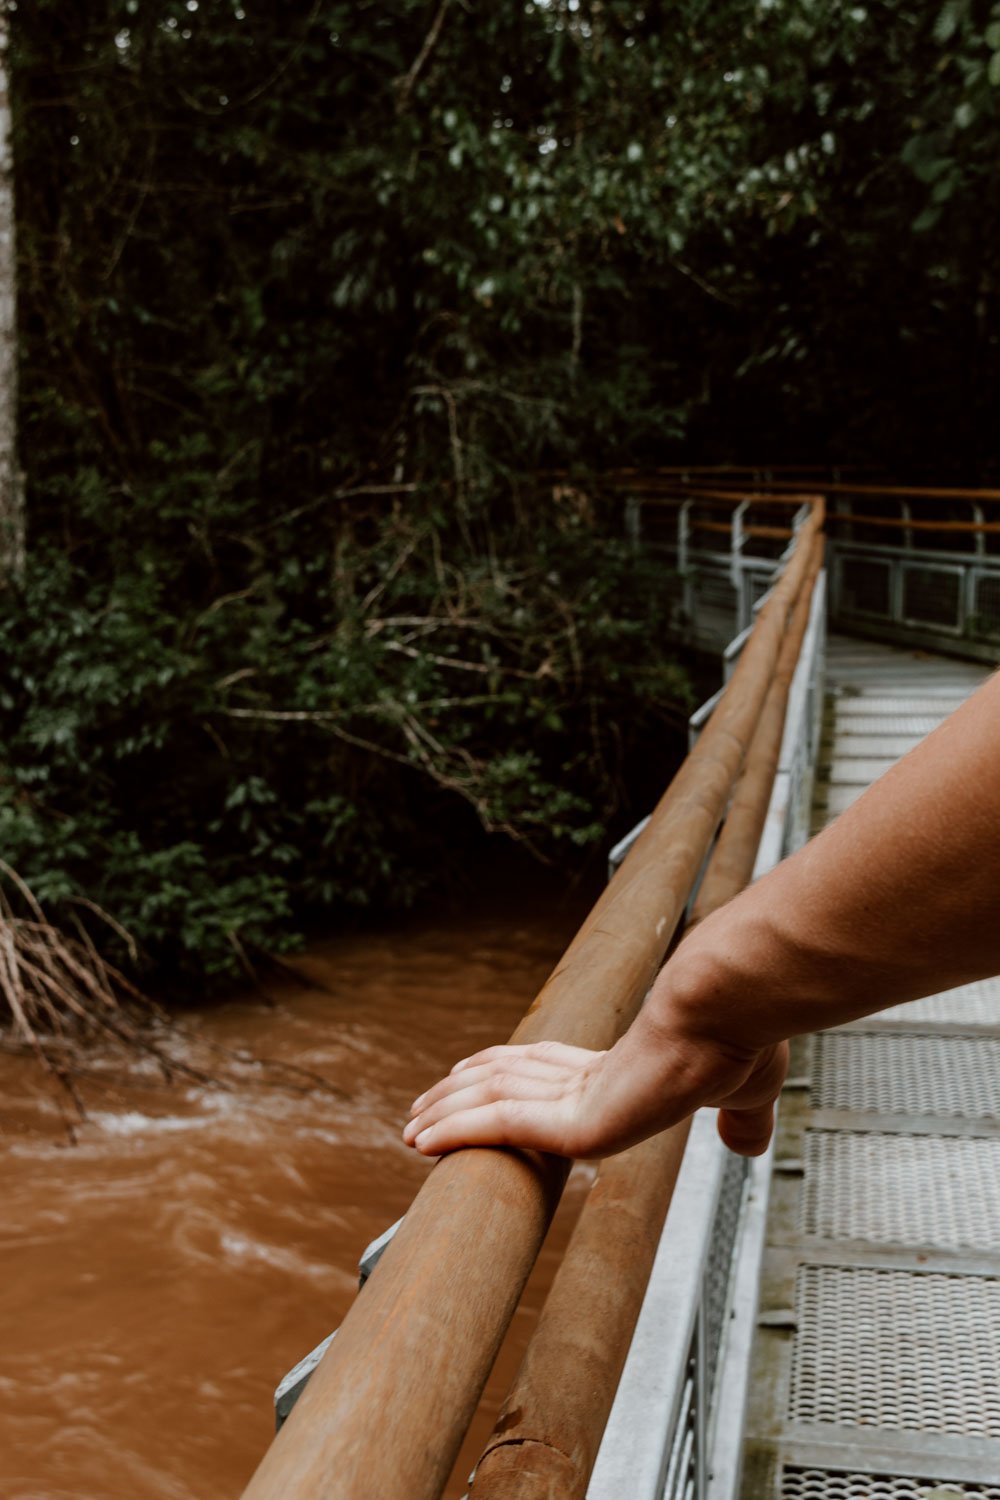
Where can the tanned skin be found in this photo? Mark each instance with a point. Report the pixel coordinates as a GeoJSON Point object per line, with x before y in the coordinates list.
{"type": "Point", "coordinates": [899, 898]}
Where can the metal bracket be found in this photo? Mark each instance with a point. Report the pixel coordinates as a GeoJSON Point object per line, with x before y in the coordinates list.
{"type": "Point", "coordinates": [291, 1386]}
{"type": "Point", "coordinates": [779, 1317]}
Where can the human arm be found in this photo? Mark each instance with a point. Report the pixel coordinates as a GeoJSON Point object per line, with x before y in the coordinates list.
{"type": "Point", "coordinates": [900, 897]}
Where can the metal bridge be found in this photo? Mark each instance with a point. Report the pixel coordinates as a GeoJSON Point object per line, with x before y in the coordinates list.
{"type": "Point", "coordinates": [878, 1345]}
{"type": "Point", "coordinates": [822, 1323]}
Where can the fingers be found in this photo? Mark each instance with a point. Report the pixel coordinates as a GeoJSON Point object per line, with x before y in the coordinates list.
{"type": "Point", "coordinates": [517, 1096]}
{"type": "Point", "coordinates": [553, 1052]}
{"type": "Point", "coordinates": [532, 1125]}
{"type": "Point", "coordinates": [485, 1087]}
{"type": "Point", "coordinates": [505, 1062]}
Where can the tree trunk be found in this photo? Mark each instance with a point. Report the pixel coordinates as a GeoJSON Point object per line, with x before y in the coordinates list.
{"type": "Point", "coordinates": [12, 543]}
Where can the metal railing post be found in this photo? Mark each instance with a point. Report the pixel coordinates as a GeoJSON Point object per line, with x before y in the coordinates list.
{"type": "Point", "coordinates": [980, 520]}
{"type": "Point", "coordinates": [737, 573]}
{"type": "Point", "coordinates": [970, 589]}
{"type": "Point", "coordinates": [684, 558]}
{"type": "Point", "coordinates": [896, 591]}
{"type": "Point", "coordinates": [702, 1397]}
{"type": "Point", "coordinates": [633, 522]}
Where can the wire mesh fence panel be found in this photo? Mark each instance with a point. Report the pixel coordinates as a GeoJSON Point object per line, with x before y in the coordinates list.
{"type": "Point", "coordinates": [865, 586]}
{"type": "Point", "coordinates": [932, 596]}
{"type": "Point", "coordinates": [986, 606]}
{"type": "Point", "coordinates": [718, 1271]}
{"type": "Point", "coordinates": [939, 599]}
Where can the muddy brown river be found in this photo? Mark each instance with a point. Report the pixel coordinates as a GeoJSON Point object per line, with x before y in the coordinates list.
{"type": "Point", "coordinates": [161, 1276]}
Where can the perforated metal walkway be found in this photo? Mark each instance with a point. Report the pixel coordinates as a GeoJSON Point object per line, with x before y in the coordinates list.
{"type": "Point", "coordinates": [877, 1361]}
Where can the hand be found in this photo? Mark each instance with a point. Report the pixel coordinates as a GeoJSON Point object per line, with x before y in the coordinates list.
{"type": "Point", "coordinates": [577, 1103]}
{"type": "Point", "coordinates": [539, 1097]}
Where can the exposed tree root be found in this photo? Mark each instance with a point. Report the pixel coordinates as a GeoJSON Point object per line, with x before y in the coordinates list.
{"type": "Point", "coordinates": [62, 999]}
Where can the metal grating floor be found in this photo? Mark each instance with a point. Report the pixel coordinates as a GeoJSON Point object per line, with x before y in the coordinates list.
{"type": "Point", "coordinates": [970, 1005]}
{"type": "Point", "coordinates": [877, 1359]}
{"type": "Point", "coordinates": [900, 1349]}
{"type": "Point", "coordinates": [935, 705]}
{"type": "Point", "coordinates": [884, 717]}
{"type": "Point", "coordinates": [881, 1073]}
{"type": "Point", "coordinates": [897, 1189]}
{"type": "Point", "coordinates": [826, 1484]}
{"type": "Point", "coordinates": [858, 770]}
{"type": "Point", "coordinates": [891, 746]}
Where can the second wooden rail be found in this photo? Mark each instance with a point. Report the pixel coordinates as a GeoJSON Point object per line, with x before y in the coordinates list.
{"type": "Point", "coordinates": [547, 1436]}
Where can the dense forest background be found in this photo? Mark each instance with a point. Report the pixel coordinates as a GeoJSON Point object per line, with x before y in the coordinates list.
{"type": "Point", "coordinates": [312, 294]}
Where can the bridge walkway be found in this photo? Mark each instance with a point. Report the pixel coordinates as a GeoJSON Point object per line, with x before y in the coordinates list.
{"type": "Point", "coordinates": [876, 1364]}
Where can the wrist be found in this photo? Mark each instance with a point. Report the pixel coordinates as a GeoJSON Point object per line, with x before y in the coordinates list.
{"type": "Point", "coordinates": [729, 982]}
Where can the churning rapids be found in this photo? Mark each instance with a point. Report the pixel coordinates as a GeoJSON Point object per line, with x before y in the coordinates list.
{"type": "Point", "coordinates": [160, 1277]}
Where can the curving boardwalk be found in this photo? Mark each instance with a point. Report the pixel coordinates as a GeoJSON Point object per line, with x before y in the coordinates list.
{"type": "Point", "coordinates": [876, 1368]}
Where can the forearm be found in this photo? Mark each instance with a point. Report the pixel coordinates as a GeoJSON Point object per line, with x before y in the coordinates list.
{"type": "Point", "coordinates": [900, 897]}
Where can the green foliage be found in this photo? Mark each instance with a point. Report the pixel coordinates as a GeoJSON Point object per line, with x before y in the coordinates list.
{"type": "Point", "coordinates": [956, 122]}
{"type": "Point", "coordinates": [212, 776]}
{"type": "Point", "coordinates": [309, 295]}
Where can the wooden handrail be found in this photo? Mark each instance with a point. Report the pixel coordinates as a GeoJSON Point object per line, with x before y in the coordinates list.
{"type": "Point", "coordinates": [903, 523]}
{"type": "Point", "coordinates": [781, 533]}
{"type": "Point", "coordinates": [546, 1438]}
{"type": "Point", "coordinates": [776, 533]}
{"type": "Point", "coordinates": [725, 498]}
{"type": "Point", "coordinates": [903, 491]}
{"type": "Point", "coordinates": [652, 479]}
{"type": "Point", "coordinates": [549, 1431]}
{"type": "Point", "coordinates": [673, 470]}
{"type": "Point", "coordinates": [387, 1408]}
{"type": "Point", "coordinates": [735, 852]}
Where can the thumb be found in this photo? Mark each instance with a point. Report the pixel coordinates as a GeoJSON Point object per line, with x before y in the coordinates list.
{"type": "Point", "coordinates": [746, 1117]}
{"type": "Point", "coordinates": [747, 1131]}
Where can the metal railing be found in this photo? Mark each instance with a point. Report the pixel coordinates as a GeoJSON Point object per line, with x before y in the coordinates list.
{"type": "Point", "coordinates": [725, 557]}
{"type": "Point", "coordinates": [675, 1430]}
{"type": "Point", "coordinates": [913, 576]}
{"type": "Point", "coordinates": [942, 600]}
{"type": "Point", "coordinates": [387, 1407]}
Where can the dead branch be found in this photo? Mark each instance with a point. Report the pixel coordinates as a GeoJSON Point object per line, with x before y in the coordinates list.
{"type": "Point", "coordinates": [408, 82]}
{"type": "Point", "coordinates": [341, 494]}
{"type": "Point", "coordinates": [62, 999]}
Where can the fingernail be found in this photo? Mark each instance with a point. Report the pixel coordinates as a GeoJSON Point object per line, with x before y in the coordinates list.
{"type": "Point", "coordinates": [423, 1139]}
{"type": "Point", "coordinates": [408, 1132]}
{"type": "Point", "coordinates": [417, 1103]}
{"type": "Point", "coordinates": [460, 1065]}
